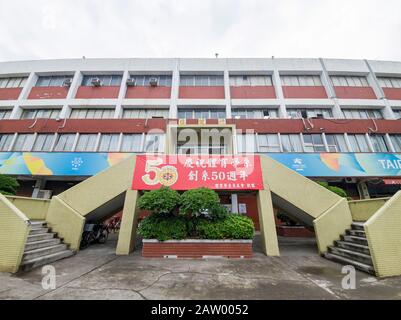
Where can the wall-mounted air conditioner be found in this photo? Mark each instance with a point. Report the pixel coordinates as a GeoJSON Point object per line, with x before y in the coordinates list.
{"type": "Point", "coordinates": [153, 82]}
{"type": "Point", "coordinates": [96, 82]}
{"type": "Point", "coordinates": [67, 82]}
{"type": "Point", "coordinates": [131, 82]}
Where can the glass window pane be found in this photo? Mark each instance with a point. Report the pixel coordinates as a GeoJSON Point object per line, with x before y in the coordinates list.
{"type": "Point", "coordinates": [131, 143]}
{"type": "Point", "coordinates": [396, 141]}
{"type": "Point", "coordinates": [24, 142]}
{"type": "Point", "coordinates": [154, 143]}
{"type": "Point", "coordinates": [5, 141]}
{"type": "Point", "coordinates": [65, 142]}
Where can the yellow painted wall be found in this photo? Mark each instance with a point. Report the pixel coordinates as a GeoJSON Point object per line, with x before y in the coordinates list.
{"type": "Point", "coordinates": [14, 229]}
{"type": "Point", "coordinates": [66, 221]}
{"type": "Point", "coordinates": [100, 188]}
{"type": "Point", "coordinates": [330, 213]}
{"type": "Point", "coordinates": [34, 209]}
{"type": "Point", "coordinates": [331, 224]}
{"type": "Point", "coordinates": [383, 231]}
{"type": "Point", "coordinates": [362, 210]}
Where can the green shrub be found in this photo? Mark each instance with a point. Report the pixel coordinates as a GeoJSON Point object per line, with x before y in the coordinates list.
{"type": "Point", "coordinates": [162, 201]}
{"type": "Point", "coordinates": [233, 226]}
{"type": "Point", "coordinates": [8, 185]}
{"type": "Point", "coordinates": [163, 228]}
{"type": "Point", "coordinates": [198, 202]}
{"type": "Point", "coordinates": [336, 190]}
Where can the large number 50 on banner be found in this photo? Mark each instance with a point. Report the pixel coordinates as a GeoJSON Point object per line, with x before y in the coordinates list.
{"type": "Point", "coordinates": [188, 172]}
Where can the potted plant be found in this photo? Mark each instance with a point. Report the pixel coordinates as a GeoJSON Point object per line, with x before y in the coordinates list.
{"type": "Point", "coordinates": [192, 225]}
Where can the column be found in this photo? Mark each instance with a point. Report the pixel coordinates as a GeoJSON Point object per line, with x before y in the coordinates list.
{"type": "Point", "coordinates": [267, 223]}
{"type": "Point", "coordinates": [175, 86]}
{"type": "Point", "coordinates": [121, 95]}
{"type": "Point", "coordinates": [127, 234]}
{"type": "Point", "coordinates": [282, 111]}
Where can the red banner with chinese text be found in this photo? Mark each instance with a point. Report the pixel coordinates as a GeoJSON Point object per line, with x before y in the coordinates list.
{"type": "Point", "coordinates": [182, 172]}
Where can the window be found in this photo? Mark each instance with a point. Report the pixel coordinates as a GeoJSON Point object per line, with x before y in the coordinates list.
{"type": "Point", "coordinates": [5, 113]}
{"type": "Point", "coordinates": [52, 81]}
{"type": "Point", "coordinates": [24, 142]}
{"type": "Point", "coordinates": [297, 81]}
{"type": "Point", "coordinates": [131, 143]}
{"type": "Point", "coordinates": [268, 143]}
{"type": "Point", "coordinates": [389, 82]}
{"type": "Point", "coordinates": [202, 81]}
{"type": "Point", "coordinates": [154, 143]}
{"type": "Point", "coordinates": [362, 114]}
{"type": "Point", "coordinates": [349, 81]}
{"type": "Point", "coordinates": [358, 143]}
{"type": "Point", "coordinates": [313, 143]}
{"type": "Point", "coordinates": [109, 142]}
{"type": "Point", "coordinates": [336, 143]}
{"type": "Point", "coordinates": [246, 143]}
{"type": "Point", "coordinates": [15, 82]}
{"type": "Point", "coordinates": [379, 143]}
{"type": "Point", "coordinates": [40, 113]}
{"type": "Point", "coordinates": [105, 80]}
{"type": "Point", "coordinates": [5, 141]}
{"type": "Point", "coordinates": [298, 113]}
{"type": "Point", "coordinates": [144, 80]}
{"type": "Point", "coordinates": [43, 142]}
{"type": "Point", "coordinates": [91, 113]}
{"type": "Point", "coordinates": [145, 113]}
{"type": "Point", "coordinates": [245, 113]}
{"type": "Point", "coordinates": [396, 141]}
{"type": "Point", "coordinates": [86, 142]}
{"type": "Point", "coordinates": [65, 142]}
{"type": "Point", "coordinates": [251, 80]}
{"type": "Point", "coordinates": [201, 113]}
{"type": "Point", "coordinates": [291, 142]}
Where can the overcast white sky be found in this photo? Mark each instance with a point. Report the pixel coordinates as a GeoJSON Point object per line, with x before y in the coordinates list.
{"type": "Point", "coordinates": [42, 29]}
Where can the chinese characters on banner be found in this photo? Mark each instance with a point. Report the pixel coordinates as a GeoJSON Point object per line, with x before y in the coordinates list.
{"type": "Point", "coordinates": [184, 172]}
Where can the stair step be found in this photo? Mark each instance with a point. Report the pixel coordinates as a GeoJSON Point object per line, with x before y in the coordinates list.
{"type": "Point", "coordinates": [358, 233]}
{"type": "Point", "coordinates": [38, 231]}
{"type": "Point", "coordinates": [43, 260]}
{"type": "Point", "coordinates": [354, 239]}
{"type": "Point", "coordinates": [38, 237]}
{"type": "Point", "coordinates": [41, 244]}
{"type": "Point", "coordinates": [357, 225]}
{"type": "Point", "coordinates": [35, 253]}
{"type": "Point", "coordinates": [346, 261]}
{"type": "Point", "coordinates": [357, 256]}
{"type": "Point", "coordinates": [38, 223]}
{"type": "Point", "coordinates": [352, 246]}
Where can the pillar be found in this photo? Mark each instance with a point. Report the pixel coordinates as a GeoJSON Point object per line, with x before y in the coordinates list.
{"type": "Point", "coordinates": [126, 237]}
{"type": "Point", "coordinates": [267, 223]}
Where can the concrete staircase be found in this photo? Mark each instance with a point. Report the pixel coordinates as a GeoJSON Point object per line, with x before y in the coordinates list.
{"type": "Point", "coordinates": [352, 249]}
{"type": "Point", "coordinates": [42, 247]}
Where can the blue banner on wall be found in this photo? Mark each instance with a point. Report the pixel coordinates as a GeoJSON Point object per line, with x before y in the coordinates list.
{"type": "Point", "coordinates": [307, 164]}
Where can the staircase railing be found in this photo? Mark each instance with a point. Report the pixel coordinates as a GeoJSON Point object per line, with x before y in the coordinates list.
{"type": "Point", "coordinates": [14, 229]}
{"type": "Point", "coordinates": [383, 232]}
{"type": "Point", "coordinates": [362, 210]}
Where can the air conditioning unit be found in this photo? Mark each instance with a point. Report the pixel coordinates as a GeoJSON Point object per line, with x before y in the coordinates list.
{"type": "Point", "coordinates": [153, 82]}
{"type": "Point", "coordinates": [67, 82]}
{"type": "Point", "coordinates": [319, 116]}
{"type": "Point", "coordinates": [350, 180]}
{"type": "Point", "coordinates": [44, 194]}
{"type": "Point", "coordinates": [96, 82]}
{"type": "Point", "coordinates": [131, 82]}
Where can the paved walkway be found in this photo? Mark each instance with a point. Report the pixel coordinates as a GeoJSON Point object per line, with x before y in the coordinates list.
{"type": "Point", "coordinates": [97, 273]}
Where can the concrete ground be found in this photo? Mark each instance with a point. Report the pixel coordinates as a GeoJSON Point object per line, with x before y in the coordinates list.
{"type": "Point", "coordinates": [300, 273]}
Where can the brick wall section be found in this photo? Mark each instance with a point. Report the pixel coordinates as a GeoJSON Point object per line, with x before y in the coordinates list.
{"type": "Point", "coordinates": [196, 250]}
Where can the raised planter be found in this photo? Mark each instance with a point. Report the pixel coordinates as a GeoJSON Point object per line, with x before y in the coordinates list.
{"type": "Point", "coordinates": [294, 231]}
{"type": "Point", "coordinates": [198, 249]}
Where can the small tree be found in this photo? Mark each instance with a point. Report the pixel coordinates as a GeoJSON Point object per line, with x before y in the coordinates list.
{"type": "Point", "coordinates": [163, 201]}
{"type": "Point", "coordinates": [8, 185]}
{"type": "Point", "coordinates": [336, 190]}
{"type": "Point", "coordinates": [202, 202]}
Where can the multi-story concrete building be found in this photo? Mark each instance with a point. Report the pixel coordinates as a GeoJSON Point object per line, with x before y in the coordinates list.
{"type": "Point", "coordinates": [332, 120]}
